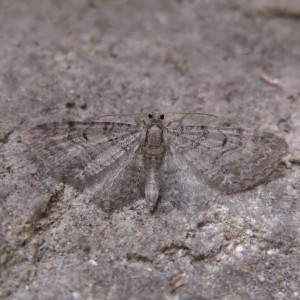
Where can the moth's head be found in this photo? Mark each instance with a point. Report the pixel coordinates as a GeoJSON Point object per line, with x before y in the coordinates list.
{"type": "Point", "coordinates": [156, 116]}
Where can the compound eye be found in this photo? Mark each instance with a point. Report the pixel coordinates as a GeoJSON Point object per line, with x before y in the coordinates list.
{"type": "Point", "coordinates": [162, 117]}
{"type": "Point", "coordinates": [150, 116]}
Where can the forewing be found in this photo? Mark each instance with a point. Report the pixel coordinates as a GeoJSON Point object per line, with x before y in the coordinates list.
{"type": "Point", "coordinates": [230, 159]}
{"type": "Point", "coordinates": [79, 153]}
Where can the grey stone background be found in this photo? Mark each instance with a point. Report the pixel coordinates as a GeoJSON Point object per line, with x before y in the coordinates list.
{"type": "Point", "coordinates": [78, 60]}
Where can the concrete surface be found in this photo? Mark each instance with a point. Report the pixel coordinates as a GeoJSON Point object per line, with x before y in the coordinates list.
{"type": "Point", "coordinates": [76, 59]}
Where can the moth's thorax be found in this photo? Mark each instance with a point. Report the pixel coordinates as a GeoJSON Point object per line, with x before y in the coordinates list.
{"type": "Point", "coordinates": [154, 141]}
{"type": "Point", "coordinates": [154, 137]}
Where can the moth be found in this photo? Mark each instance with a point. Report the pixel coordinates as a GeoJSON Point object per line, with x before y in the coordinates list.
{"type": "Point", "coordinates": [115, 162]}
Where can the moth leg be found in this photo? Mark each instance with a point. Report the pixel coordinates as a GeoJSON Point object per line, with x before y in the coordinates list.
{"type": "Point", "coordinates": [179, 121]}
{"type": "Point", "coordinates": [169, 123]}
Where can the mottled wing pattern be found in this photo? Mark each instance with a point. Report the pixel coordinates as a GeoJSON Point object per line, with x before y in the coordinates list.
{"type": "Point", "coordinates": [82, 153]}
{"type": "Point", "coordinates": [230, 159]}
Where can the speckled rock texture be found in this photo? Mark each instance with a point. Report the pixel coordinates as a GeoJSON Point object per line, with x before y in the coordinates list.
{"type": "Point", "coordinates": [78, 60]}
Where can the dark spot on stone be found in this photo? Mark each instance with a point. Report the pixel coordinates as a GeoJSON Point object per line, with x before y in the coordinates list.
{"type": "Point", "coordinates": [240, 131]}
{"type": "Point", "coordinates": [224, 141]}
{"type": "Point", "coordinates": [205, 131]}
{"type": "Point", "coordinates": [83, 106]}
{"type": "Point", "coordinates": [43, 126]}
{"type": "Point", "coordinates": [70, 104]}
{"type": "Point", "coordinates": [85, 136]}
{"type": "Point", "coordinates": [84, 244]}
{"type": "Point", "coordinates": [71, 123]}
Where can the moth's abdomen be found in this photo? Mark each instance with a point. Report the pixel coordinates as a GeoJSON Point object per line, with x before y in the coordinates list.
{"type": "Point", "coordinates": [152, 188]}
